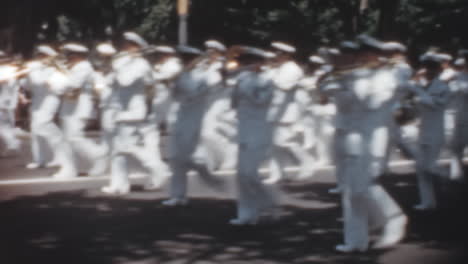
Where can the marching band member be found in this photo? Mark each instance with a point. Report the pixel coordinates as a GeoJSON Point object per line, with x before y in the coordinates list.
{"type": "Point", "coordinates": [324, 111]}
{"type": "Point", "coordinates": [252, 99]}
{"type": "Point", "coordinates": [318, 110]}
{"type": "Point", "coordinates": [192, 90]}
{"type": "Point", "coordinates": [459, 86]}
{"type": "Point", "coordinates": [104, 83]}
{"type": "Point", "coordinates": [365, 97]}
{"type": "Point", "coordinates": [133, 77]}
{"type": "Point", "coordinates": [403, 128]}
{"type": "Point", "coordinates": [9, 92]}
{"type": "Point", "coordinates": [219, 127]}
{"type": "Point", "coordinates": [57, 84]}
{"type": "Point", "coordinates": [165, 70]}
{"type": "Point", "coordinates": [36, 84]}
{"type": "Point", "coordinates": [77, 103]}
{"type": "Point", "coordinates": [77, 109]}
{"type": "Point", "coordinates": [432, 99]}
{"type": "Point", "coordinates": [285, 114]}
{"type": "Point", "coordinates": [448, 75]}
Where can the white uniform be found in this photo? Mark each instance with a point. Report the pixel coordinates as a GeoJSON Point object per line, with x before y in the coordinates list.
{"type": "Point", "coordinates": [219, 130]}
{"type": "Point", "coordinates": [432, 102]}
{"type": "Point", "coordinates": [285, 115]}
{"type": "Point", "coordinates": [459, 88]}
{"type": "Point", "coordinates": [108, 103]}
{"type": "Point", "coordinates": [77, 104]}
{"type": "Point", "coordinates": [161, 103]}
{"type": "Point", "coordinates": [364, 111]}
{"type": "Point", "coordinates": [36, 83]}
{"type": "Point", "coordinates": [324, 124]}
{"type": "Point", "coordinates": [76, 110]}
{"type": "Point", "coordinates": [104, 83]}
{"type": "Point", "coordinates": [9, 90]}
{"type": "Point", "coordinates": [318, 119]}
{"type": "Point", "coordinates": [254, 93]}
{"type": "Point", "coordinates": [63, 153]}
{"type": "Point", "coordinates": [192, 90]}
{"type": "Point", "coordinates": [133, 75]}
{"type": "Point", "coordinates": [164, 74]}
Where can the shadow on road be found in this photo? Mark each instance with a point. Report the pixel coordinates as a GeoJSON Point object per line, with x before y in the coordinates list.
{"type": "Point", "coordinates": [74, 227]}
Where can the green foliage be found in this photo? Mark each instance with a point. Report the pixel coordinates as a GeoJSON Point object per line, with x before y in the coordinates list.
{"type": "Point", "coordinates": [306, 23]}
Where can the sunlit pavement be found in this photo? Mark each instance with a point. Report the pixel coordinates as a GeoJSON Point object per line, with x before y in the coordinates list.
{"type": "Point", "coordinates": [47, 221]}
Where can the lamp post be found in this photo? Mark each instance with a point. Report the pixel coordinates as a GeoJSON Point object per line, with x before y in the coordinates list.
{"type": "Point", "coordinates": [183, 10]}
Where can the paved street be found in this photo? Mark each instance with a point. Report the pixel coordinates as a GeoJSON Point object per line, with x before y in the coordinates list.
{"type": "Point", "coordinates": [44, 221]}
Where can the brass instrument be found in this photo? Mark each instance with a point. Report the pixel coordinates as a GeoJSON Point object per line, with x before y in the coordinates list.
{"type": "Point", "coordinates": [233, 64]}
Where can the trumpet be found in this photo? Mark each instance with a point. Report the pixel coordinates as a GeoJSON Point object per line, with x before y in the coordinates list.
{"type": "Point", "coordinates": [233, 64]}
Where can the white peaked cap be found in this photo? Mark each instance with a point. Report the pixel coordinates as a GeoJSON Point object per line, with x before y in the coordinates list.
{"type": "Point", "coordinates": [350, 45]}
{"type": "Point", "coordinates": [323, 51]}
{"type": "Point", "coordinates": [269, 54]}
{"type": "Point", "coordinates": [165, 49]}
{"type": "Point", "coordinates": [393, 46]}
{"type": "Point", "coordinates": [214, 44]}
{"type": "Point", "coordinates": [425, 56]}
{"type": "Point", "coordinates": [135, 38]}
{"type": "Point", "coordinates": [259, 52]}
{"type": "Point", "coordinates": [317, 59]}
{"type": "Point", "coordinates": [46, 50]}
{"type": "Point", "coordinates": [77, 48]}
{"type": "Point", "coordinates": [189, 50]}
{"type": "Point", "coordinates": [460, 62]}
{"type": "Point", "coordinates": [435, 57]}
{"type": "Point", "coordinates": [106, 49]}
{"type": "Point", "coordinates": [444, 57]}
{"type": "Point", "coordinates": [333, 51]}
{"type": "Point", "coordinates": [283, 47]}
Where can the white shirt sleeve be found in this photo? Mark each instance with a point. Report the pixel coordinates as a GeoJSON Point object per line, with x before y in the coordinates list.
{"type": "Point", "coordinates": [168, 70]}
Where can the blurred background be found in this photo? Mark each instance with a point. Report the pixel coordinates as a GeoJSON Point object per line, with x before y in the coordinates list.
{"type": "Point", "coordinates": [306, 23]}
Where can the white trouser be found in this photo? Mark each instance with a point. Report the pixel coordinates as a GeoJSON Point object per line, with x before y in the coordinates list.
{"type": "Point", "coordinates": [62, 149]}
{"type": "Point", "coordinates": [124, 141]}
{"type": "Point", "coordinates": [187, 152]}
{"type": "Point", "coordinates": [87, 151]}
{"type": "Point", "coordinates": [426, 170]}
{"type": "Point", "coordinates": [8, 133]}
{"type": "Point", "coordinates": [41, 150]}
{"type": "Point", "coordinates": [187, 157]}
{"type": "Point", "coordinates": [449, 124]}
{"type": "Point", "coordinates": [365, 203]}
{"type": "Point", "coordinates": [284, 140]}
{"type": "Point", "coordinates": [339, 156]}
{"type": "Point", "coordinates": [119, 172]}
{"type": "Point", "coordinates": [325, 131]}
{"type": "Point", "coordinates": [180, 169]}
{"type": "Point", "coordinates": [142, 142]}
{"type": "Point", "coordinates": [405, 138]}
{"type": "Point", "coordinates": [457, 148]}
{"type": "Point", "coordinates": [309, 133]}
{"type": "Point", "coordinates": [150, 155]}
{"type": "Point", "coordinates": [253, 196]}
{"type": "Point", "coordinates": [108, 130]}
